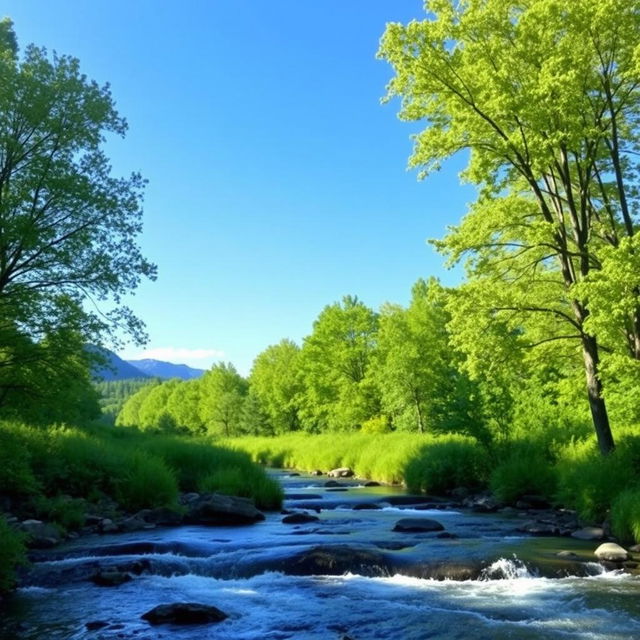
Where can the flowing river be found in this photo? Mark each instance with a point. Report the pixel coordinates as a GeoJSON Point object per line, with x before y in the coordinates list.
{"type": "Point", "coordinates": [259, 576]}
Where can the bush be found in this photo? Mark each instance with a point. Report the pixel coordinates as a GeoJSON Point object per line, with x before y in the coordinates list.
{"type": "Point", "coordinates": [248, 482]}
{"type": "Point", "coordinates": [526, 469]}
{"type": "Point", "coordinates": [589, 482]}
{"type": "Point", "coordinates": [147, 482]}
{"type": "Point", "coordinates": [16, 477]}
{"type": "Point", "coordinates": [68, 512]}
{"type": "Point", "coordinates": [447, 462]}
{"type": "Point", "coordinates": [12, 554]}
{"type": "Point", "coordinates": [625, 515]}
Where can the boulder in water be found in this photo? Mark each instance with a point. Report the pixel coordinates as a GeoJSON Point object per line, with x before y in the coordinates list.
{"type": "Point", "coordinates": [110, 578]}
{"type": "Point", "coordinates": [588, 533]}
{"type": "Point", "coordinates": [417, 525]}
{"type": "Point", "coordinates": [184, 613]}
{"type": "Point", "coordinates": [341, 472]}
{"type": "Point", "coordinates": [611, 552]}
{"type": "Point", "coordinates": [299, 518]}
{"type": "Point", "coordinates": [217, 509]}
{"type": "Point", "coordinates": [40, 535]}
{"type": "Point", "coordinates": [336, 560]}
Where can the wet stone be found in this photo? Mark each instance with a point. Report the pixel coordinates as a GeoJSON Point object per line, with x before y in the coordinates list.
{"type": "Point", "coordinates": [184, 613]}
{"type": "Point", "coordinates": [299, 518]}
{"type": "Point", "coordinates": [417, 525]}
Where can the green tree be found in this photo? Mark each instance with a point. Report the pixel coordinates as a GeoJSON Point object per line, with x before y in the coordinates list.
{"type": "Point", "coordinates": [183, 405]}
{"type": "Point", "coordinates": [416, 370]}
{"type": "Point", "coordinates": [275, 383]}
{"type": "Point", "coordinates": [223, 392]}
{"type": "Point", "coordinates": [129, 415]}
{"type": "Point", "coordinates": [333, 365]}
{"type": "Point", "coordinates": [544, 94]}
{"type": "Point", "coordinates": [67, 226]}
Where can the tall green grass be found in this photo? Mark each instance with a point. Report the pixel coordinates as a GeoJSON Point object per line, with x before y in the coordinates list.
{"type": "Point", "coordinates": [422, 462]}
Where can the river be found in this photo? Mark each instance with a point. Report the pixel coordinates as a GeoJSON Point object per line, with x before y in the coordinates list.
{"type": "Point", "coordinates": [245, 571]}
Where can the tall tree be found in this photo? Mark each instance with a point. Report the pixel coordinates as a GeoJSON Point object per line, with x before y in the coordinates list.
{"type": "Point", "coordinates": [222, 392]}
{"type": "Point", "coordinates": [544, 94]}
{"type": "Point", "coordinates": [417, 372]}
{"type": "Point", "coordinates": [67, 226]}
{"type": "Point", "coordinates": [333, 365]}
{"type": "Point", "coordinates": [275, 384]}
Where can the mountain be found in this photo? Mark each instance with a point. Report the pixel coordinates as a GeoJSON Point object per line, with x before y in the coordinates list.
{"type": "Point", "coordinates": [115, 368]}
{"type": "Point", "coordinates": [159, 369]}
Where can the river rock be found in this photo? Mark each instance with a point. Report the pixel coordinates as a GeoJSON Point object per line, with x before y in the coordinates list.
{"type": "Point", "coordinates": [40, 535]}
{"type": "Point", "coordinates": [588, 533]}
{"type": "Point", "coordinates": [340, 472]}
{"type": "Point", "coordinates": [162, 516]}
{"type": "Point", "coordinates": [536, 528]}
{"type": "Point", "coordinates": [107, 525]}
{"type": "Point", "coordinates": [337, 560]}
{"type": "Point", "coordinates": [316, 472]}
{"type": "Point", "coordinates": [611, 552]}
{"type": "Point", "coordinates": [184, 613]}
{"type": "Point", "coordinates": [299, 518]}
{"type": "Point", "coordinates": [110, 578]}
{"type": "Point", "coordinates": [331, 483]}
{"type": "Point", "coordinates": [366, 505]}
{"type": "Point", "coordinates": [417, 525]}
{"type": "Point", "coordinates": [217, 509]}
{"type": "Point", "coordinates": [372, 483]}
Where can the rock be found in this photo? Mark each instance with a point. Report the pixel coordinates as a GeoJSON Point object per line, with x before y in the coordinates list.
{"type": "Point", "coordinates": [567, 555]}
{"type": "Point", "coordinates": [340, 472]}
{"type": "Point", "coordinates": [94, 625]}
{"type": "Point", "coordinates": [635, 548]}
{"type": "Point", "coordinates": [107, 525]}
{"type": "Point", "coordinates": [366, 505]}
{"type": "Point", "coordinates": [316, 472]}
{"type": "Point", "coordinates": [133, 523]}
{"type": "Point", "coordinates": [331, 483]}
{"type": "Point", "coordinates": [184, 613]}
{"type": "Point", "coordinates": [611, 552]}
{"type": "Point", "coordinates": [337, 560]}
{"type": "Point", "coordinates": [217, 509]}
{"type": "Point", "coordinates": [588, 533]}
{"type": "Point", "coordinates": [40, 535]}
{"type": "Point", "coordinates": [446, 534]}
{"type": "Point", "coordinates": [415, 525]}
{"type": "Point", "coordinates": [294, 474]}
{"type": "Point", "coordinates": [299, 518]}
{"type": "Point", "coordinates": [188, 498]}
{"type": "Point", "coordinates": [110, 578]}
{"type": "Point", "coordinates": [372, 483]}
{"type": "Point", "coordinates": [536, 528]}
{"type": "Point", "coordinates": [484, 504]}
{"type": "Point", "coordinates": [162, 516]}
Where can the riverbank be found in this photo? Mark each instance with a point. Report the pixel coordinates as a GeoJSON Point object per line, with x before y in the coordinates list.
{"type": "Point", "coordinates": [61, 481]}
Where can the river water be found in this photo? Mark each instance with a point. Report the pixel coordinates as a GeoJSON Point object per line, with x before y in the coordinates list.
{"type": "Point", "coordinates": [245, 571]}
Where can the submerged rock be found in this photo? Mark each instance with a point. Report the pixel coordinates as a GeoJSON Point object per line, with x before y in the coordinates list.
{"type": "Point", "coordinates": [417, 525]}
{"type": "Point", "coordinates": [184, 613]}
{"type": "Point", "coordinates": [589, 533]}
{"type": "Point", "coordinates": [366, 505]}
{"type": "Point", "coordinates": [299, 518]}
{"type": "Point", "coordinates": [110, 578]}
{"type": "Point", "coordinates": [217, 509]}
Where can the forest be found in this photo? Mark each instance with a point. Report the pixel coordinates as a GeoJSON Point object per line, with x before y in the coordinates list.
{"type": "Point", "coordinates": [523, 379]}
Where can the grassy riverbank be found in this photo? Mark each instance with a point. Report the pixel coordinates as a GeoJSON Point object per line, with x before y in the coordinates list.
{"type": "Point", "coordinates": [59, 474]}
{"type": "Point", "coordinates": [573, 475]}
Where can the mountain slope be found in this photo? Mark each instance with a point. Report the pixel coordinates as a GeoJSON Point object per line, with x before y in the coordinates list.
{"type": "Point", "coordinates": [160, 369]}
{"type": "Point", "coordinates": [115, 368]}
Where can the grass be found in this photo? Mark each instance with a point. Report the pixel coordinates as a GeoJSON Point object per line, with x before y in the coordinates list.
{"type": "Point", "coordinates": [422, 462]}
{"type": "Point", "coordinates": [625, 515]}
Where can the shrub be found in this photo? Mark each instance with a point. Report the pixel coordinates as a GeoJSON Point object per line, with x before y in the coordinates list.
{"type": "Point", "coordinates": [625, 515]}
{"type": "Point", "coordinates": [68, 512]}
{"type": "Point", "coordinates": [447, 462]}
{"type": "Point", "coordinates": [526, 469]}
{"type": "Point", "coordinates": [16, 477]}
{"type": "Point", "coordinates": [147, 482]}
{"type": "Point", "coordinates": [12, 554]}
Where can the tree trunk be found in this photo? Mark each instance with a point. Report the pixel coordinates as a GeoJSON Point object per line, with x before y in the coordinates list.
{"type": "Point", "coordinates": [594, 391]}
{"type": "Point", "coordinates": [418, 412]}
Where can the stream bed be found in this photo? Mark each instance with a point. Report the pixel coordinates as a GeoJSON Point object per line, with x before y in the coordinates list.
{"type": "Point", "coordinates": [379, 583]}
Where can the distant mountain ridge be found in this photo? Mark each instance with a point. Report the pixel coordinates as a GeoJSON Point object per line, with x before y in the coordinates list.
{"type": "Point", "coordinates": [115, 368]}
{"type": "Point", "coordinates": [160, 369]}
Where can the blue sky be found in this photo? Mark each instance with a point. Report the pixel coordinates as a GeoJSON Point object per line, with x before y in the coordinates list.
{"type": "Point", "coordinates": [277, 180]}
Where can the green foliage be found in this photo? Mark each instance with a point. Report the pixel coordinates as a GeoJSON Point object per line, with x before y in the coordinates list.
{"type": "Point", "coordinates": [625, 515]}
{"type": "Point", "coordinates": [12, 554]}
{"type": "Point", "coordinates": [114, 393]}
{"type": "Point", "coordinates": [589, 482]}
{"type": "Point", "coordinates": [223, 391]}
{"type": "Point", "coordinates": [69, 513]}
{"type": "Point", "coordinates": [524, 468]}
{"type": "Point", "coordinates": [333, 365]}
{"type": "Point", "coordinates": [146, 482]}
{"type": "Point", "coordinates": [445, 463]}
{"type": "Point", "coordinates": [434, 463]}
{"type": "Point", "coordinates": [68, 232]}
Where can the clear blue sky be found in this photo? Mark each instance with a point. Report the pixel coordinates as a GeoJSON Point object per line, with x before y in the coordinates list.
{"type": "Point", "coordinates": [277, 181]}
